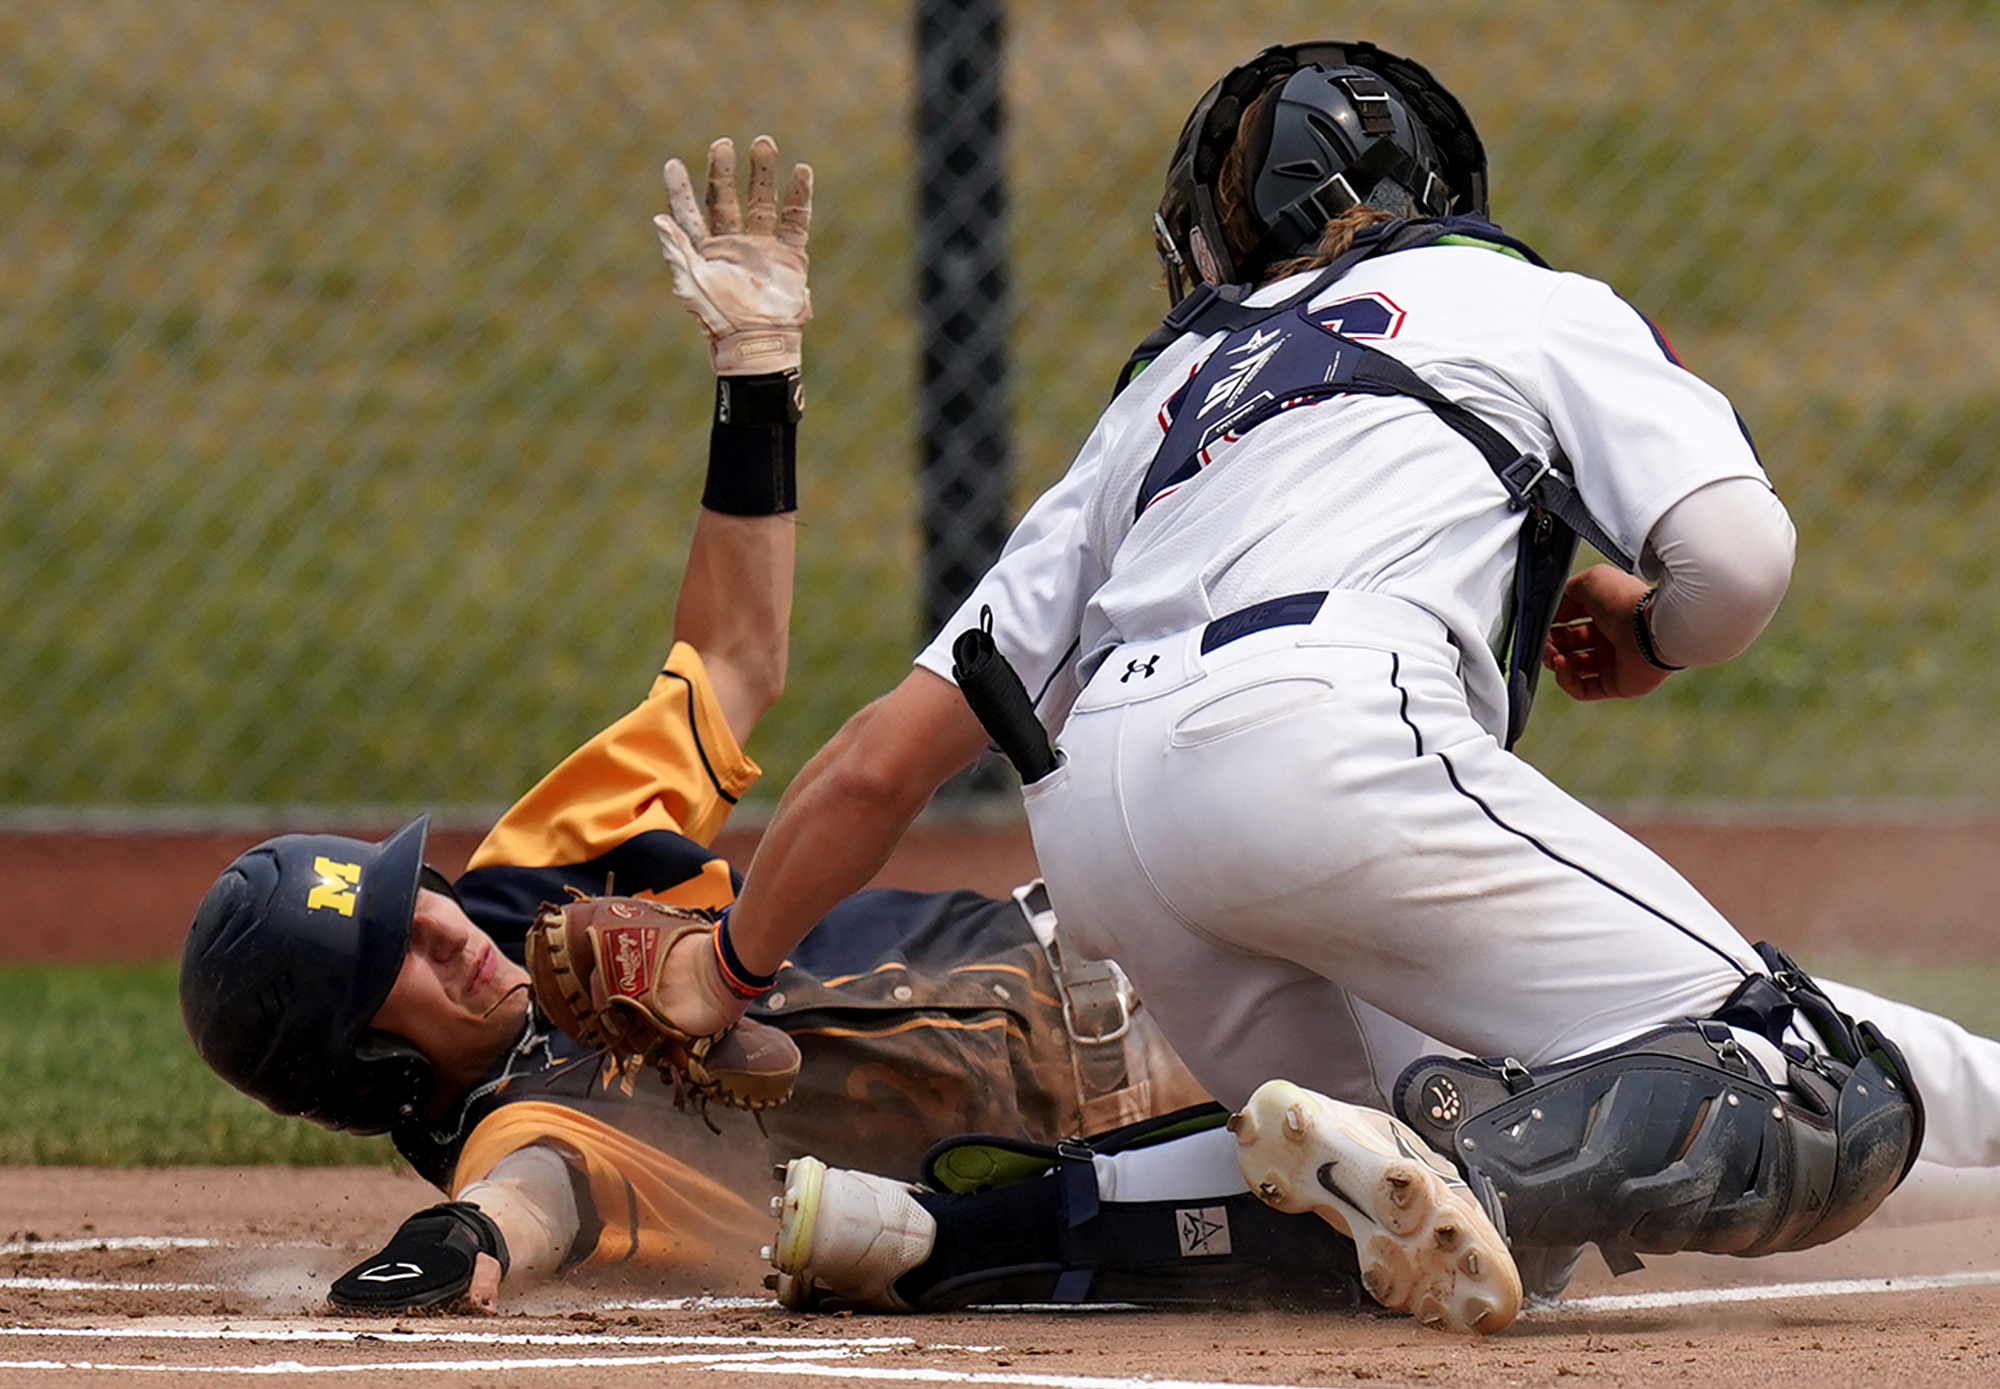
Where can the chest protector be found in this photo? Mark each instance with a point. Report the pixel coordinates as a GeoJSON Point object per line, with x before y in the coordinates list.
{"type": "Point", "coordinates": [1285, 355]}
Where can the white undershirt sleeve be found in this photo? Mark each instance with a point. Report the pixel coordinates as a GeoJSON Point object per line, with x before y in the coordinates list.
{"type": "Point", "coordinates": [1722, 556]}
{"type": "Point", "coordinates": [531, 1198]}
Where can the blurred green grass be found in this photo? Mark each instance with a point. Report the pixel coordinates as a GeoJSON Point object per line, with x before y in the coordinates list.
{"type": "Point", "coordinates": [100, 1072]}
{"type": "Point", "coordinates": [352, 434]}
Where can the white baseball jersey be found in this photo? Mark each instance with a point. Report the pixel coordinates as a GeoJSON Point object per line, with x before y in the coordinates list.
{"type": "Point", "coordinates": [1360, 493]}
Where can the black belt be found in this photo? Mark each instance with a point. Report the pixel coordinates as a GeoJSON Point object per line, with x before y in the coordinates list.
{"type": "Point", "coordinates": [1294, 609]}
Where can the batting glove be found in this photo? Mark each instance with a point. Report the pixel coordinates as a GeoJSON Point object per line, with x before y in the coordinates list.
{"type": "Point", "coordinates": [432, 1262]}
{"type": "Point", "coordinates": [744, 279]}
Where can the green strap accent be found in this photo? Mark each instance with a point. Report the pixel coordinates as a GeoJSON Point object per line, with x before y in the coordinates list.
{"type": "Point", "coordinates": [965, 1168]}
{"type": "Point", "coordinates": [1138, 365]}
{"type": "Point", "coordinates": [1199, 1123]}
{"type": "Point", "coordinates": [978, 1167]}
{"type": "Point", "coordinates": [1460, 239]}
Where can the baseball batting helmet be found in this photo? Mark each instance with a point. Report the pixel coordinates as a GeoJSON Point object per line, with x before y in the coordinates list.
{"type": "Point", "coordinates": [1351, 124]}
{"type": "Point", "coordinates": [292, 951]}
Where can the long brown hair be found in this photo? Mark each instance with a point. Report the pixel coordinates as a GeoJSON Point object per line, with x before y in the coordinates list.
{"type": "Point", "coordinates": [1337, 237]}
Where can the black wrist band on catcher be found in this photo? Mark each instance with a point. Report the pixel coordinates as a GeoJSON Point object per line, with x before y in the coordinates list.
{"type": "Point", "coordinates": [753, 445]}
{"type": "Point", "coordinates": [1642, 632]}
{"type": "Point", "coordinates": [740, 981]}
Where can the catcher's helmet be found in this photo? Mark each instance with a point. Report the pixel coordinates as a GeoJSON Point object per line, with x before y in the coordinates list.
{"type": "Point", "coordinates": [1351, 124]}
{"type": "Point", "coordinates": [293, 949]}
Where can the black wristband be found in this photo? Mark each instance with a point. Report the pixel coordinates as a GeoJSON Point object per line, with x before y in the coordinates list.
{"type": "Point", "coordinates": [753, 445]}
{"type": "Point", "coordinates": [776, 397]}
{"type": "Point", "coordinates": [1642, 632]}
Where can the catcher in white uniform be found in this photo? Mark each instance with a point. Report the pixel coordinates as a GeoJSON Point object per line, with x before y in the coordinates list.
{"type": "Point", "coordinates": [1282, 618]}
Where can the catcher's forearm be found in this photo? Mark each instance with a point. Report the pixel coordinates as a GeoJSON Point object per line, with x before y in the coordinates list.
{"type": "Point", "coordinates": [843, 814]}
{"type": "Point", "coordinates": [836, 839]}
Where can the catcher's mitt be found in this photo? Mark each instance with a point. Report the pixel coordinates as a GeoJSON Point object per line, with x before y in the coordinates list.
{"type": "Point", "coordinates": [598, 966]}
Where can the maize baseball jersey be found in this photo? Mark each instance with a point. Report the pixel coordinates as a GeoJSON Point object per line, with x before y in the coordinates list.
{"type": "Point", "coordinates": [918, 1015]}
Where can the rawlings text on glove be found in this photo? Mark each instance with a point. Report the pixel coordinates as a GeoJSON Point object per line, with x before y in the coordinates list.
{"type": "Point", "coordinates": [603, 968]}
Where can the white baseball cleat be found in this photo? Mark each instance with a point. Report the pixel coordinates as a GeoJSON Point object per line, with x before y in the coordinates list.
{"type": "Point", "coordinates": [846, 1237]}
{"type": "Point", "coordinates": [1426, 1246]}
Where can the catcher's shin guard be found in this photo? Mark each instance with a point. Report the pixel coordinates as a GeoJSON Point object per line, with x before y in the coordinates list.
{"type": "Point", "coordinates": [1676, 1139]}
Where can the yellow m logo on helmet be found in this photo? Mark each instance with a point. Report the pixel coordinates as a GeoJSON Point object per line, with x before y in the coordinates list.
{"type": "Point", "coordinates": [335, 889]}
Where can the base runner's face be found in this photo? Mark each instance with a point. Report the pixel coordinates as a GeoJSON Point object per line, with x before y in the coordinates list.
{"type": "Point", "coordinates": [458, 1000]}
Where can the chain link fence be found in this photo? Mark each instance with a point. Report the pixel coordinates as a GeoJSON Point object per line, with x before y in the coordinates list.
{"type": "Point", "coordinates": [352, 435]}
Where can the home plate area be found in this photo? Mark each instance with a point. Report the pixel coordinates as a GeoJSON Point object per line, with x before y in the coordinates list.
{"type": "Point", "coordinates": [199, 1275]}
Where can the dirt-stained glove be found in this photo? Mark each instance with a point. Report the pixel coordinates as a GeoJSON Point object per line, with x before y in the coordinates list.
{"type": "Point", "coordinates": [430, 1263]}
{"type": "Point", "coordinates": [744, 279]}
{"type": "Point", "coordinates": [638, 978]}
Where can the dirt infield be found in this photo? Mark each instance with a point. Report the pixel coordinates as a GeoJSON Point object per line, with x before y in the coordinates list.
{"type": "Point", "coordinates": [221, 1273]}
{"type": "Point", "coordinates": [206, 1274]}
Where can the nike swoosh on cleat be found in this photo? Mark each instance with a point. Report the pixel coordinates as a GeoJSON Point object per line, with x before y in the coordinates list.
{"type": "Point", "coordinates": [1325, 1177]}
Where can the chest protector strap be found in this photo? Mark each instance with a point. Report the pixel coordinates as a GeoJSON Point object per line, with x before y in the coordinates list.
{"type": "Point", "coordinates": [1282, 356]}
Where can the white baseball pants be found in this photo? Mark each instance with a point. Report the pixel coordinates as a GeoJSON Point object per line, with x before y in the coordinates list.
{"type": "Point", "coordinates": [1314, 863]}
{"type": "Point", "coordinates": [1310, 858]}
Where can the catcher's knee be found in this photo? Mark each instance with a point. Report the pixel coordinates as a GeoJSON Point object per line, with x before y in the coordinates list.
{"type": "Point", "coordinates": [1677, 1139]}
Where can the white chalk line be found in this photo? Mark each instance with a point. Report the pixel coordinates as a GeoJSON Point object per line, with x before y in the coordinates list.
{"type": "Point", "coordinates": [106, 1242]}
{"type": "Point", "coordinates": [239, 1329]}
{"type": "Point", "coordinates": [814, 1357]}
{"type": "Point", "coordinates": [1769, 1292]}
{"type": "Point", "coordinates": [1040, 1381]}
{"type": "Point", "coordinates": [759, 1361]}
{"type": "Point", "coordinates": [700, 1303]}
{"type": "Point", "coordinates": [100, 1285]}
{"type": "Point", "coordinates": [766, 1364]}
{"type": "Point", "coordinates": [110, 1244]}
